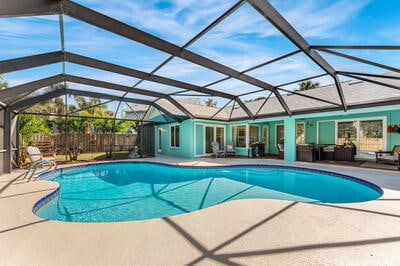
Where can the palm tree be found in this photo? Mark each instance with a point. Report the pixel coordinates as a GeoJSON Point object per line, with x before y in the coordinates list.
{"type": "Point", "coordinates": [210, 102]}
{"type": "Point", "coordinates": [58, 106]}
{"type": "Point", "coordinates": [307, 85]}
{"type": "Point", "coordinates": [84, 104]}
{"type": "Point", "coordinates": [256, 99]}
{"type": "Point", "coordinates": [3, 83]}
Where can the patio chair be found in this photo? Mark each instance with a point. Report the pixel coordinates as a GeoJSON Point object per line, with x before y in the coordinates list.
{"type": "Point", "coordinates": [216, 151]}
{"type": "Point", "coordinates": [281, 151]}
{"type": "Point", "coordinates": [390, 157]}
{"type": "Point", "coordinates": [230, 149]}
{"type": "Point", "coordinates": [37, 161]}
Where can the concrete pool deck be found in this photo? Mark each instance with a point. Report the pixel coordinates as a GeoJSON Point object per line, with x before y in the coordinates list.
{"type": "Point", "coordinates": [242, 232]}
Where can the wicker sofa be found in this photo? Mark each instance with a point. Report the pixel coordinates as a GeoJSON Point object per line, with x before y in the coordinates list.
{"type": "Point", "coordinates": [306, 152]}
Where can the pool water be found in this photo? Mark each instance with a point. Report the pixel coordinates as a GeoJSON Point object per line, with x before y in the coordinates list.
{"type": "Point", "coordinates": [127, 191]}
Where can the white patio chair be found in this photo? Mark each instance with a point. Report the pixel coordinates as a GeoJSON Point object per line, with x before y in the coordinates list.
{"type": "Point", "coordinates": [216, 151]}
{"type": "Point", "coordinates": [37, 161]}
{"type": "Point", "coordinates": [230, 149]}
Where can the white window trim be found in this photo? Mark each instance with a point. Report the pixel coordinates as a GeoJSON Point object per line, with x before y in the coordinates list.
{"type": "Point", "coordinates": [276, 134]}
{"type": "Point", "coordinates": [204, 128]}
{"type": "Point", "coordinates": [304, 127]}
{"type": "Point", "coordinates": [159, 129]}
{"type": "Point", "coordinates": [170, 133]}
{"type": "Point", "coordinates": [246, 135]}
{"type": "Point", "coordinates": [259, 135]}
{"type": "Point", "coordinates": [266, 141]}
{"type": "Point", "coordinates": [358, 120]}
{"type": "Point", "coordinates": [214, 135]}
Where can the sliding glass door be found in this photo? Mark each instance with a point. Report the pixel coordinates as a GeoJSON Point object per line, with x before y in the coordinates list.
{"type": "Point", "coordinates": [371, 136]}
{"type": "Point", "coordinates": [367, 135]}
{"type": "Point", "coordinates": [214, 133]}
{"type": "Point", "coordinates": [209, 137]}
{"type": "Point", "coordinates": [220, 137]}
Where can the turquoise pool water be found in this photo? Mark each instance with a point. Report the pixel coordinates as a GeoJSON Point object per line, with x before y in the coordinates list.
{"type": "Point", "coordinates": [114, 192]}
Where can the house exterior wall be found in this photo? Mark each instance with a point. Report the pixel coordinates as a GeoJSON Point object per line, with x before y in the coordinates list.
{"type": "Point", "coordinates": [186, 140]}
{"type": "Point", "coordinates": [326, 126]}
{"type": "Point", "coordinates": [319, 128]}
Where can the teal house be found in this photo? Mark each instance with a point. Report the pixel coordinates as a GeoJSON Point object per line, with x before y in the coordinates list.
{"type": "Point", "coordinates": [365, 123]}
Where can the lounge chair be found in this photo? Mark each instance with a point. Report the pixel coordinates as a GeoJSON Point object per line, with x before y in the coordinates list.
{"type": "Point", "coordinates": [37, 161]}
{"type": "Point", "coordinates": [390, 157]}
{"type": "Point", "coordinates": [230, 149]}
{"type": "Point", "coordinates": [216, 151]}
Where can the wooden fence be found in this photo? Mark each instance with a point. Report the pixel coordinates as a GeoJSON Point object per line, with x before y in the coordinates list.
{"type": "Point", "coordinates": [90, 142]}
{"type": "Point", "coordinates": [366, 144]}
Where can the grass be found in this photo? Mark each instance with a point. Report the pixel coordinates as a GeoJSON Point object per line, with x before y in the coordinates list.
{"type": "Point", "coordinates": [90, 157]}
{"type": "Point", "coordinates": [84, 157]}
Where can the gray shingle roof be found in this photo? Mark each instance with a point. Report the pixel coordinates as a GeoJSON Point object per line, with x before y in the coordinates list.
{"type": "Point", "coordinates": [356, 92]}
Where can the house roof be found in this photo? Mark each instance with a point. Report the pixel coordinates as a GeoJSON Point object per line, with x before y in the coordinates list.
{"type": "Point", "coordinates": [138, 108]}
{"type": "Point", "coordinates": [356, 93]}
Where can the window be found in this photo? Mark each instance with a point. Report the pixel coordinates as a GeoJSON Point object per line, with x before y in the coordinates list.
{"type": "Point", "coordinates": [220, 137]}
{"type": "Point", "coordinates": [300, 139]}
{"type": "Point", "coordinates": [280, 134]}
{"type": "Point", "coordinates": [160, 130]}
{"type": "Point", "coordinates": [239, 136]}
{"type": "Point", "coordinates": [367, 135]}
{"type": "Point", "coordinates": [175, 136]}
{"type": "Point", "coordinates": [214, 133]}
{"type": "Point", "coordinates": [371, 135]}
{"type": "Point", "coordinates": [300, 135]}
{"type": "Point", "coordinates": [346, 131]}
{"type": "Point", "coordinates": [254, 133]}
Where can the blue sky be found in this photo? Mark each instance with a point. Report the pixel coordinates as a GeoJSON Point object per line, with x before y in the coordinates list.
{"type": "Point", "coordinates": [242, 40]}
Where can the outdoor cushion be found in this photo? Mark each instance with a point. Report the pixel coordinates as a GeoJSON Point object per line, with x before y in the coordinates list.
{"type": "Point", "coordinates": [389, 157]}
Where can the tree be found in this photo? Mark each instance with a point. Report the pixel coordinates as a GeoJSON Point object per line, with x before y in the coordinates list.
{"type": "Point", "coordinates": [210, 102]}
{"type": "Point", "coordinates": [307, 85]}
{"type": "Point", "coordinates": [83, 104]}
{"type": "Point", "coordinates": [58, 106]}
{"type": "Point", "coordinates": [52, 106]}
{"type": "Point", "coordinates": [256, 99]}
{"type": "Point", "coordinates": [30, 124]}
{"type": "Point", "coordinates": [76, 126]}
{"type": "Point", "coordinates": [3, 83]}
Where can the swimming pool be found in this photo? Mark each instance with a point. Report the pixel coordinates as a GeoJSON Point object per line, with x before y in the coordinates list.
{"type": "Point", "coordinates": [124, 191]}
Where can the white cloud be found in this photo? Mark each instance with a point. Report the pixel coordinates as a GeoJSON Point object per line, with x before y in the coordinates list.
{"type": "Point", "coordinates": [188, 72]}
{"type": "Point", "coordinates": [312, 19]}
{"type": "Point", "coordinates": [240, 41]}
{"type": "Point", "coordinates": [178, 23]}
{"type": "Point", "coordinates": [28, 36]}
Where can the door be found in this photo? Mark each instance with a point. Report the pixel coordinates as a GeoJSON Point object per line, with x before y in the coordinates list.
{"type": "Point", "coordinates": [148, 144]}
{"type": "Point", "coordinates": [220, 137]}
{"type": "Point", "coordinates": [266, 139]}
{"type": "Point", "coordinates": [208, 138]}
{"type": "Point", "coordinates": [213, 133]}
{"type": "Point", "coordinates": [159, 139]}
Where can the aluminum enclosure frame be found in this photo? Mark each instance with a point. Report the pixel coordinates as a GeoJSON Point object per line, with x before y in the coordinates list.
{"type": "Point", "coordinates": [11, 8]}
